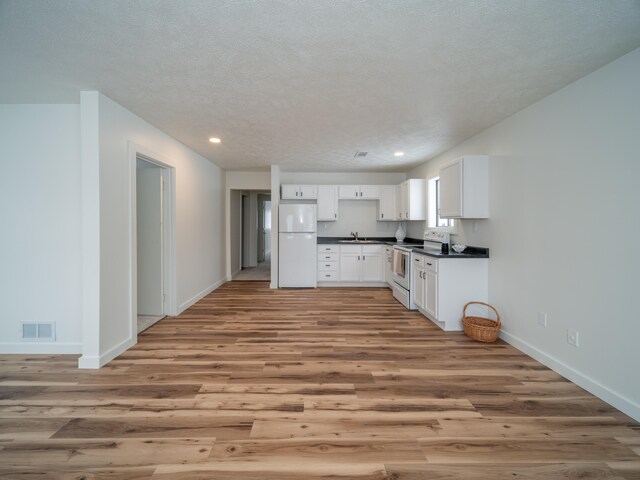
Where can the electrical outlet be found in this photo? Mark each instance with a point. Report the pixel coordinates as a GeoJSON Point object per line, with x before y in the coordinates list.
{"type": "Point", "coordinates": [572, 337]}
{"type": "Point", "coordinates": [542, 319]}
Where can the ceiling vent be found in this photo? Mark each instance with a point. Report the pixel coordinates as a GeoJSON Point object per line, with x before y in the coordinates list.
{"type": "Point", "coordinates": [360, 154]}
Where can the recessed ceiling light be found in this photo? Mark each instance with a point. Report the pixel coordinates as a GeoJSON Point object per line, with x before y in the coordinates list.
{"type": "Point", "coordinates": [398, 154]}
{"type": "Point", "coordinates": [215, 140]}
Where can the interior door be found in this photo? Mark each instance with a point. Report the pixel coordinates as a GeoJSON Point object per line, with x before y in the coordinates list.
{"type": "Point", "coordinates": [261, 246]}
{"type": "Point", "coordinates": [149, 239]}
{"type": "Point", "coordinates": [267, 228]}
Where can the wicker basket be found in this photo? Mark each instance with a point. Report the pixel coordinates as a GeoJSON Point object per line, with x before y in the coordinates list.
{"type": "Point", "coordinates": [480, 328]}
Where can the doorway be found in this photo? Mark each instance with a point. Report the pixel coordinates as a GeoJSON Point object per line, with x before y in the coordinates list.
{"type": "Point", "coordinates": [251, 235]}
{"type": "Point", "coordinates": [150, 244]}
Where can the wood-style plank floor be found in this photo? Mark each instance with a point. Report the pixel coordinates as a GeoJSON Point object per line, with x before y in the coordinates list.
{"type": "Point", "coordinates": [253, 383]}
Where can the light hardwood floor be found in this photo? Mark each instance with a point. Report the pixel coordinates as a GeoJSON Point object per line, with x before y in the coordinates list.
{"type": "Point", "coordinates": [253, 383]}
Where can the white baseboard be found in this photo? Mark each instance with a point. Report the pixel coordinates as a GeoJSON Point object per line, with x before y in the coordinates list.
{"type": "Point", "coordinates": [235, 273]}
{"type": "Point", "coordinates": [200, 295]}
{"type": "Point", "coordinates": [44, 348]}
{"type": "Point", "coordinates": [622, 403]}
{"type": "Point", "coordinates": [93, 362]}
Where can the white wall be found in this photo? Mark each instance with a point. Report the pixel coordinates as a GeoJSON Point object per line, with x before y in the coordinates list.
{"type": "Point", "coordinates": [564, 228]}
{"type": "Point", "coordinates": [199, 220]}
{"type": "Point", "coordinates": [41, 263]}
{"type": "Point", "coordinates": [357, 216]}
{"type": "Point", "coordinates": [275, 206]}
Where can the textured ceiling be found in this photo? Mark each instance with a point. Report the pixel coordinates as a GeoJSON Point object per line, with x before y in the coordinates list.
{"type": "Point", "coordinates": [306, 83]}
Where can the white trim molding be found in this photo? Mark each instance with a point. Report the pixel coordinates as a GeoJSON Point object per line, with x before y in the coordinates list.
{"type": "Point", "coordinates": [38, 348]}
{"type": "Point", "coordinates": [622, 403]}
{"type": "Point", "coordinates": [201, 295]}
{"type": "Point", "coordinates": [93, 362]}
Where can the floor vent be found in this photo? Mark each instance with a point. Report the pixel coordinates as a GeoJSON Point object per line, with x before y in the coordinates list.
{"type": "Point", "coordinates": [360, 154]}
{"type": "Point", "coordinates": [38, 331]}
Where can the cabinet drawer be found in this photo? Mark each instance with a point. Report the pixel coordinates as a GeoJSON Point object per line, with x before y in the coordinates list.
{"type": "Point", "coordinates": [328, 257]}
{"type": "Point", "coordinates": [357, 249]}
{"type": "Point", "coordinates": [325, 276]}
{"type": "Point", "coordinates": [418, 260]}
{"type": "Point", "coordinates": [327, 266]}
{"type": "Point", "coordinates": [372, 249]}
{"type": "Point", "coordinates": [327, 248]}
{"type": "Point", "coordinates": [431, 264]}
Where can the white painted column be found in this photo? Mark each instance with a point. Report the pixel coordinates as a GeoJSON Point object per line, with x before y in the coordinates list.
{"type": "Point", "coordinates": [275, 205]}
{"type": "Point", "coordinates": [90, 158]}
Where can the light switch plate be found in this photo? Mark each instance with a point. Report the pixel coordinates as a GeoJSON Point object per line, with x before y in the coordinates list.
{"type": "Point", "coordinates": [572, 337]}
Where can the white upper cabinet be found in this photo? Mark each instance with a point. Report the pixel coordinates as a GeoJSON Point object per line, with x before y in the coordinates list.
{"type": "Point", "coordinates": [464, 188]}
{"type": "Point", "coordinates": [299, 192]}
{"type": "Point", "coordinates": [412, 199]}
{"type": "Point", "coordinates": [327, 203]}
{"type": "Point", "coordinates": [387, 208]}
{"type": "Point", "coordinates": [369, 192]}
{"type": "Point", "coordinates": [364, 192]}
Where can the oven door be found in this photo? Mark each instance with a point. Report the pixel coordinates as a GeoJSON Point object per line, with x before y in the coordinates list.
{"type": "Point", "coordinates": [400, 267]}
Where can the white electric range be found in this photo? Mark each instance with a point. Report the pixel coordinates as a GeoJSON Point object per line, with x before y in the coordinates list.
{"type": "Point", "coordinates": [401, 265]}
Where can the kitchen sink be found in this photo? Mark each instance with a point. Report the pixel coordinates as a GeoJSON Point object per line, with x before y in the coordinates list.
{"type": "Point", "coordinates": [358, 241]}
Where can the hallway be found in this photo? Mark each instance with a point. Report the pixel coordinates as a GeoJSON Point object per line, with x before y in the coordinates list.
{"type": "Point", "coordinates": [260, 273]}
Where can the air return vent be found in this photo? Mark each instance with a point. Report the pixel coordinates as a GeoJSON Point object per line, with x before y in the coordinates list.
{"type": "Point", "coordinates": [360, 154]}
{"type": "Point", "coordinates": [38, 331]}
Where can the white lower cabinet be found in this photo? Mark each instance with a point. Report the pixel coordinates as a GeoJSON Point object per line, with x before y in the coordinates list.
{"type": "Point", "coordinates": [430, 303]}
{"type": "Point", "coordinates": [388, 265]}
{"type": "Point", "coordinates": [441, 287]}
{"type": "Point", "coordinates": [328, 263]}
{"type": "Point", "coordinates": [417, 286]}
{"type": "Point", "coordinates": [351, 263]}
{"type": "Point", "coordinates": [361, 263]}
{"type": "Point", "coordinates": [350, 267]}
{"type": "Point", "coordinates": [372, 266]}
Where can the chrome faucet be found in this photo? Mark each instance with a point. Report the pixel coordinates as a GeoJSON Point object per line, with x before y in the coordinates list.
{"type": "Point", "coordinates": [355, 236]}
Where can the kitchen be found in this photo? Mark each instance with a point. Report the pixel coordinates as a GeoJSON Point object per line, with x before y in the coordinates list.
{"type": "Point", "coordinates": [366, 375]}
{"type": "Point", "coordinates": [424, 272]}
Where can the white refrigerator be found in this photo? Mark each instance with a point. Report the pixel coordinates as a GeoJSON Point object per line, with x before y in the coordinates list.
{"type": "Point", "coordinates": [297, 246]}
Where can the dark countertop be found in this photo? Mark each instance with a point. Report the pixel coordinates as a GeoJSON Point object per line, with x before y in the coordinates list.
{"type": "Point", "coordinates": [371, 241]}
{"type": "Point", "coordinates": [469, 252]}
{"type": "Point", "coordinates": [412, 243]}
